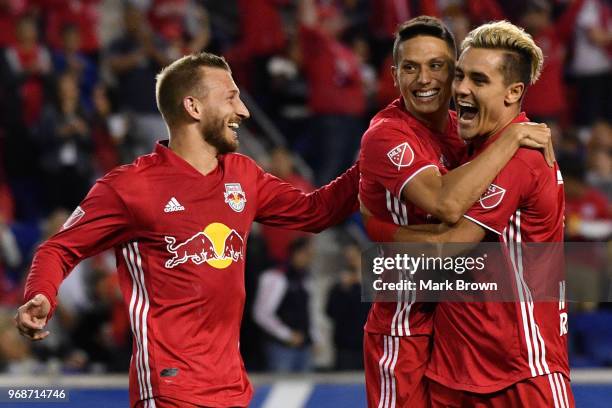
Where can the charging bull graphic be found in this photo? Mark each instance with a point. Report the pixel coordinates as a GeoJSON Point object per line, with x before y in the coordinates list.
{"type": "Point", "coordinates": [217, 245]}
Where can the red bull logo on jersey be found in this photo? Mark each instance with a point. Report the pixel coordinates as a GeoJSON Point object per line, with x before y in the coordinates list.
{"type": "Point", "coordinates": [492, 197]}
{"type": "Point", "coordinates": [234, 196]}
{"type": "Point", "coordinates": [401, 155]}
{"type": "Point", "coordinates": [217, 245]}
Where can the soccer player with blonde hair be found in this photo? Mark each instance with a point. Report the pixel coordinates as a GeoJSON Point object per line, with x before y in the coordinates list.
{"type": "Point", "coordinates": [500, 354]}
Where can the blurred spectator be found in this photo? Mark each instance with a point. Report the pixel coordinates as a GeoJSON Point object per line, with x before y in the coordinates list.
{"type": "Point", "coordinates": [101, 329]}
{"type": "Point", "coordinates": [83, 14]}
{"type": "Point", "coordinates": [10, 258]}
{"type": "Point", "coordinates": [135, 58]}
{"type": "Point", "coordinates": [24, 71]}
{"type": "Point", "coordinates": [28, 63]}
{"type": "Point", "coordinates": [10, 11]}
{"type": "Point", "coordinates": [361, 48]}
{"type": "Point", "coordinates": [348, 313]}
{"type": "Point", "coordinates": [599, 160]}
{"type": "Point", "coordinates": [336, 93]}
{"type": "Point", "coordinates": [545, 100]}
{"type": "Point", "coordinates": [600, 172]}
{"type": "Point", "coordinates": [287, 94]}
{"type": "Point", "coordinates": [167, 16]}
{"type": "Point", "coordinates": [387, 91]}
{"type": "Point", "coordinates": [587, 210]}
{"type": "Point", "coordinates": [387, 15]}
{"type": "Point", "coordinates": [106, 152]}
{"type": "Point", "coordinates": [15, 355]}
{"type": "Point", "coordinates": [183, 24]}
{"type": "Point", "coordinates": [262, 36]}
{"type": "Point", "coordinates": [68, 59]}
{"type": "Point", "coordinates": [65, 140]}
{"type": "Point", "coordinates": [591, 64]}
{"type": "Point", "coordinates": [278, 240]}
{"type": "Point", "coordinates": [458, 22]}
{"type": "Point", "coordinates": [282, 310]}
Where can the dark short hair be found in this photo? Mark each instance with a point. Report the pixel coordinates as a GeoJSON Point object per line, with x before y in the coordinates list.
{"type": "Point", "coordinates": [181, 78]}
{"type": "Point", "coordinates": [424, 26]}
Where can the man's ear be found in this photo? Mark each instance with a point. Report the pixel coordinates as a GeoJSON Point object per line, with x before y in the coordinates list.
{"type": "Point", "coordinates": [393, 72]}
{"type": "Point", "coordinates": [192, 107]}
{"type": "Point", "coordinates": [514, 93]}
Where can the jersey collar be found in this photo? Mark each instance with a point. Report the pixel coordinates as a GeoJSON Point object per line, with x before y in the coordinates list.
{"type": "Point", "coordinates": [168, 156]}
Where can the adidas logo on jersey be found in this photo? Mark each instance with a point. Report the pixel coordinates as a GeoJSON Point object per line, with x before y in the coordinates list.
{"type": "Point", "coordinates": [173, 205]}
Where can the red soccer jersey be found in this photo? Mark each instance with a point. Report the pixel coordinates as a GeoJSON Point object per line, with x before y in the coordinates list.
{"type": "Point", "coordinates": [485, 347]}
{"type": "Point", "coordinates": [180, 242]}
{"type": "Point", "coordinates": [394, 149]}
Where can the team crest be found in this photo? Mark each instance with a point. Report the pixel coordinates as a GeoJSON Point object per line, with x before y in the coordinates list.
{"type": "Point", "coordinates": [492, 197]}
{"type": "Point", "coordinates": [401, 155]}
{"type": "Point", "coordinates": [234, 196]}
{"type": "Point", "coordinates": [75, 217]}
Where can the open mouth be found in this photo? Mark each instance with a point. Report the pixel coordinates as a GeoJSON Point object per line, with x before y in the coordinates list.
{"type": "Point", "coordinates": [426, 94]}
{"type": "Point", "coordinates": [466, 111]}
{"type": "Point", "coordinates": [234, 127]}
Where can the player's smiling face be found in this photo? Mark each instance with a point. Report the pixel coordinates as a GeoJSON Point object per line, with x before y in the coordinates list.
{"type": "Point", "coordinates": [223, 110]}
{"type": "Point", "coordinates": [481, 93]}
{"type": "Point", "coordinates": [423, 73]}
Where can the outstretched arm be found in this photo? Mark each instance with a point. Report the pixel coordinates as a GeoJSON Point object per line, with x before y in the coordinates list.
{"type": "Point", "coordinates": [447, 197]}
{"type": "Point", "coordinates": [282, 205]}
{"type": "Point", "coordinates": [99, 223]}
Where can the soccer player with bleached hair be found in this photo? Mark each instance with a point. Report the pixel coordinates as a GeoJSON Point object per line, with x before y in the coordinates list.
{"type": "Point", "coordinates": [511, 354]}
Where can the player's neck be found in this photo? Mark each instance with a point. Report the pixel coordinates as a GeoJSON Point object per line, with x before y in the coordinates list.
{"type": "Point", "coordinates": [191, 147]}
{"type": "Point", "coordinates": [504, 121]}
{"type": "Point", "coordinates": [436, 121]}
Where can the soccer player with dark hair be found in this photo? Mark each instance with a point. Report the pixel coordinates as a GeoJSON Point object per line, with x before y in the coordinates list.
{"type": "Point", "coordinates": [405, 162]}
{"type": "Point", "coordinates": [179, 220]}
{"type": "Point", "coordinates": [504, 354]}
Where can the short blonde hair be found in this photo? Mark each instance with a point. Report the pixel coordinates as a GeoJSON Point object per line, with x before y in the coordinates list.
{"type": "Point", "coordinates": [179, 79]}
{"type": "Point", "coordinates": [524, 60]}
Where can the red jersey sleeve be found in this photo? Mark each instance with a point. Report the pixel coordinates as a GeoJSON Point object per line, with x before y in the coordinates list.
{"type": "Point", "coordinates": [98, 223]}
{"type": "Point", "coordinates": [503, 197]}
{"type": "Point", "coordinates": [392, 155]}
{"type": "Point", "coordinates": [282, 205]}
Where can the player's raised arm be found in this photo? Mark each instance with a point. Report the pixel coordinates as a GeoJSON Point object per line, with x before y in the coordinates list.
{"type": "Point", "coordinates": [282, 205]}
{"type": "Point", "coordinates": [447, 197]}
{"type": "Point", "coordinates": [98, 223]}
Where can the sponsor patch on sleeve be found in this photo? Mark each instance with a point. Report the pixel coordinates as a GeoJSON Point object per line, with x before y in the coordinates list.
{"type": "Point", "coordinates": [401, 155]}
{"type": "Point", "coordinates": [75, 217]}
{"type": "Point", "coordinates": [492, 197]}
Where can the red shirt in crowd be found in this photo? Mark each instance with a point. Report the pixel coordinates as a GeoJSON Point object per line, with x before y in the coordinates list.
{"type": "Point", "coordinates": [180, 243]}
{"type": "Point", "coordinates": [262, 28]}
{"type": "Point", "coordinates": [387, 15]}
{"type": "Point", "coordinates": [333, 74]}
{"type": "Point", "coordinates": [547, 96]}
{"type": "Point", "coordinates": [84, 14]}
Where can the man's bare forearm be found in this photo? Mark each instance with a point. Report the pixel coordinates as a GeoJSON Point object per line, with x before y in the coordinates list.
{"type": "Point", "coordinates": [465, 184]}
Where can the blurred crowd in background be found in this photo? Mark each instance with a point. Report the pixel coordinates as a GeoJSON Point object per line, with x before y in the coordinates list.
{"type": "Point", "coordinates": [77, 98]}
